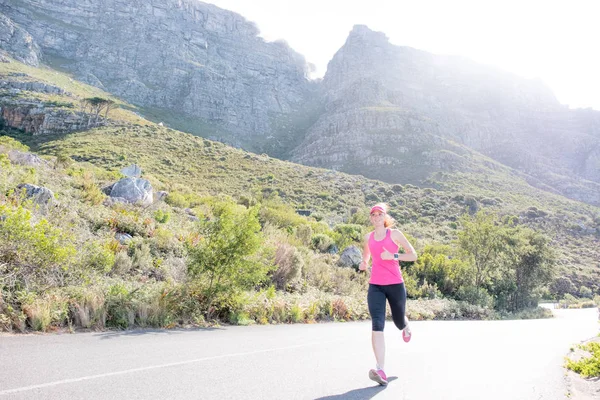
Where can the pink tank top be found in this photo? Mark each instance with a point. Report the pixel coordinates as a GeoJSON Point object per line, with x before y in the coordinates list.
{"type": "Point", "coordinates": [384, 272]}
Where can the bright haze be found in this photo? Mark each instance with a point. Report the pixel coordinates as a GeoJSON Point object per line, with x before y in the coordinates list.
{"type": "Point", "coordinates": [554, 40]}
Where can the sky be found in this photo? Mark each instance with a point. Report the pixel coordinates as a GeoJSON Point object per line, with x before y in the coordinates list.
{"type": "Point", "coordinates": [557, 41]}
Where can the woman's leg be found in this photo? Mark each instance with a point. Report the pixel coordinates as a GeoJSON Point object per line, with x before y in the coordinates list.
{"type": "Point", "coordinates": [376, 301]}
{"type": "Point", "coordinates": [396, 295]}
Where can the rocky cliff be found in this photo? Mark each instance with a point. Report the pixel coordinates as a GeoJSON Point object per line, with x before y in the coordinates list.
{"type": "Point", "coordinates": [17, 42]}
{"type": "Point", "coordinates": [186, 58]}
{"type": "Point", "coordinates": [21, 108]}
{"type": "Point", "coordinates": [401, 114]}
{"type": "Point", "coordinates": [388, 112]}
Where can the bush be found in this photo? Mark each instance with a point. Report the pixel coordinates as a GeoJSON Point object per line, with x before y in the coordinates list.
{"type": "Point", "coordinates": [119, 310]}
{"type": "Point", "coordinates": [32, 253]}
{"type": "Point", "coordinates": [304, 233]}
{"type": "Point", "coordinates": [479, 297]}
{"type": "Point", "coordinates": [322, 243]}
{"type": "Point", "coordinates": [91, 191]}
{"type": "Point", "coordinates": [280, 215]}
{"type": "Point", "coordinates": [99, 257]}
{"type": "Point", "coordinates": [130, 222]}
{"type": "Point", "coordinates": [561, 286]}
{"type": "Point", "coordinates": [348, 234]}
{"type": "Point", "coordinates": [122, 264]}
{"type": "Point", "coordinates": [222, 264]}
{"type": "Point", "coordinates": [568, 301]}
{"type": "Point", "coordinates": [141, 258]}
{"type": "Point", "coordinates": [289, 264]}
{"type": "Point", "coordinates": [87, 307]}
{"type": "Point", "coordinates": [161, 216]}
{"type": "Point", "coordinates": [437, 268]}
{"type": "Point", "coordinates": [472, 204]}
{"type": "Point", "coordinates": [11, 143]}
{"type": "Point", "coordinates": [588, 367]}
{"type": "Point", "coordinates": [586, 292]}
{"type": "Point", "coordinates": [175, 199]}
{"type": "Point", "coordinates": [51, 310]}
{"type": "Point", "coordinates": [446, 309]}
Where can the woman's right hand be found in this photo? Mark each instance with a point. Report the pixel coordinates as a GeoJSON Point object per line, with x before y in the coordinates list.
{"type": "Point", "coordinates": [362, 266]}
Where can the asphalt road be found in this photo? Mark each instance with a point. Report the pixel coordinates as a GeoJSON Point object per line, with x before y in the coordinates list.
{"type": "Point", "coordinates": [445, 360]}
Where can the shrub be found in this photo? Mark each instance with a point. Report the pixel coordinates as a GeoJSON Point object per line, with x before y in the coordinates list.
{"type": "Point", "coordinates": [289, 264]}
{"type": "Point", "coordinates": [296, 314]}
{"type": "Point", "coordinates": [99, 257]}
{"type": "Point", "coordinates": [32, 252]}
{"type": "Point", "coordinates": [11, 143]}
{"type": "Point", "coordinates": [119, 310]}
{"type": "Point", "coordinates": [280, 215]}
{"type": "Point", "coordinates": [141, 258]}
{"type": "Point", "coordinates": [588, 367]}
{"type": "Point", "coordinates": [322, 243]}
{"type": "Point", "coordinates": [175, 199]}
{"type": "Point", "coordinates": [472, 204]}
{"type": "Point", "coordinates": [130, 222]}
{"type": "Point", "coordinates": [122, 264]}
{"type": "Point", "coordinates": [304, 233]}
{"type": "Point", "coordinates": [91, 191]}
{"type": "Point", "coordinates": [476, 296]}
{"type": "Point", "coordinates": [562, 286]}
{"type": "Point", "coordinates": [339, 310]}
{"type": "Point", "coordinates": [348, 234]}
{"type": "Point", "coordinates": [586, 292]}
{"type": "Point", "coordinates": [50, 310]}
{"type": "Point", "coordinates": [569, 301]}
{"type": "Point", "coordinates": [223, 263]}
{"type": "Point", "coordinates": [161, 216]}
{"type": "Point", "coordinates": [87, 308]}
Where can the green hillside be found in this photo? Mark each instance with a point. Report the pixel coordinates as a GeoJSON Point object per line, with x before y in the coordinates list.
{"type": "Point", "coordinates": [65, 266]}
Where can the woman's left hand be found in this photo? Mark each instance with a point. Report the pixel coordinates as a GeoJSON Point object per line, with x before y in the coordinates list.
{"type": "Point", "coordinates": [386, 255]}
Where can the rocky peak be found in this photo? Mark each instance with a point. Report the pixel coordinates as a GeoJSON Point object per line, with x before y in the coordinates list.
{"type": "Point", "coordinates": [359, 58]}
{"type": "Point", "coordinates": [362, 34]}
{"type": "Point", "coordinates": [437, 106]}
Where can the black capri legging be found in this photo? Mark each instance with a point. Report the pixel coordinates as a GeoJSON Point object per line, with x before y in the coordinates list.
{"type": "Point", "coordinates": [395, 295]}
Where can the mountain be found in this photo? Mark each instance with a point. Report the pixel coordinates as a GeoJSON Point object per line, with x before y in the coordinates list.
{"type": "Point", "coordinates": [181, 60]}
{"type": "Point", "coordinates": [383, 111]}
{"type": "Point", "coordinates": [402, 115]}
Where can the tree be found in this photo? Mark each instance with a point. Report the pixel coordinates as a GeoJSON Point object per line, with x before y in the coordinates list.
{"type": "Point", "coordinates": [435, 265]}
{"type": "Point", "coordinates": [561, 286]}
{"type": "Point", "coordinates": [530, 265]}
{"type": "Point", "coordinates": [96, 106]}
{"type": "Point", "coordinates": [481, 241]}
{"type": "Point", "coordinates": [223, 263]}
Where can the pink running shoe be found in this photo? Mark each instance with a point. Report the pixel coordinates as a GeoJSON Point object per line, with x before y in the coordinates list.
{"type": "Point", "coordinates": [406, 334]}
{"type": "Point", "coordinates": [378, 376]}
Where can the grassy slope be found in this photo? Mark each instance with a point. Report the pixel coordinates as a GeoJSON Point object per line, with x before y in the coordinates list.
{"type": "Point", "coordinates": [175, 161]}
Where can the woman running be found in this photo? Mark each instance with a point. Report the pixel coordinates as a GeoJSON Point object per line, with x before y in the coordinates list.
{"type": "Point", "coordinates": [386, 282]}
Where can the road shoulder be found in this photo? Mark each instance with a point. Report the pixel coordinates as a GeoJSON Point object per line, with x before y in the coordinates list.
{"type": "Point", "coordinates": [580, 388]}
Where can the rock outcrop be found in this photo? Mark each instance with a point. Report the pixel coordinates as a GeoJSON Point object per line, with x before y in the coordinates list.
{"type": "Point", "coordinates": [24, 158]}
{"type": "Point", "coordinates": [184, 56]}
{"type": "Point", "coordinates": [39, 119]}
{"type": "Point", "coordinates": [20, 108]}
{"type": "Point", "coordinates": [350, 257]}
{"type": "Point", "coordinates": [38, 194]}
{"type": "Point", "coordinates": [18, 43]}
{"type": "Point", "coordinates": [133, 190]}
